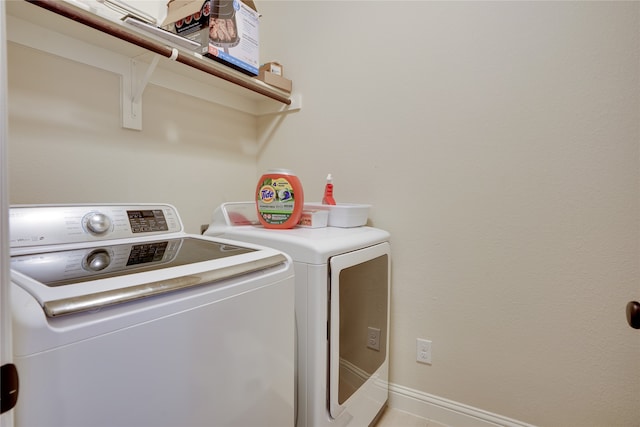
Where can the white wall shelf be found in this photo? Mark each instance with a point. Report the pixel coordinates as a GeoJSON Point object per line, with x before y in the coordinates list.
{"type": "Point", "coordinates": [65, 30]}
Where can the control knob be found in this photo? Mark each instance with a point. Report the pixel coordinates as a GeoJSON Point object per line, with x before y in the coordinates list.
{"type": "Point", "coordinates": [98, 223]}
{"type": "Point", "coordinates": [97, 260]}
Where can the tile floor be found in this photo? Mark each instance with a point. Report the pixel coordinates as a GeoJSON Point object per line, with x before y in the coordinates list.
{"type": "Point", "coordinates": [396, 418]}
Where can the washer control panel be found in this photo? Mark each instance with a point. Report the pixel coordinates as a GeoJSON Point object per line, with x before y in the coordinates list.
{"type": "Point", "coordinates": [39, 225]}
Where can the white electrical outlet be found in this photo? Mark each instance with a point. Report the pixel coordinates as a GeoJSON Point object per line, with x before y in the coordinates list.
{"type": "Point", "coordinates": [423, 351]}
{"type": "Point", "coordinates": [373, 338]}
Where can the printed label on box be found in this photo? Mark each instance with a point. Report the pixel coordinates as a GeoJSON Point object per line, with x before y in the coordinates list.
{"type": "Point", "coordinates": [227, 31]}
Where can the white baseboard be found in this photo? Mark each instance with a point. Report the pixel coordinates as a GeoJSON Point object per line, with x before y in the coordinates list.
{"type": "Point", "coordinates": [445, 411]}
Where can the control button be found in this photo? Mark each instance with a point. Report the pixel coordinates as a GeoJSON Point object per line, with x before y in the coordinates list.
{"type": "Point", "coordinates": [97, 260]}
{"type": "Point", "coordinates": [98, 223]}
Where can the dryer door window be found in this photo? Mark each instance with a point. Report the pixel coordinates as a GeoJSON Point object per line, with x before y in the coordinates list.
{"type": "Point", "coordinates": [359, 307]}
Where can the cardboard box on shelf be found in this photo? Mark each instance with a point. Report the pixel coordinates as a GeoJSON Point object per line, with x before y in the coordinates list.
{"type": "Point", "coordinates": [178, 9]}
{"type": "Point", "coordinates": [273, 67]}
{"type": "Point", "coordinates": [275, 80]}
{"type": "Point", "coordinates": [226, 30]}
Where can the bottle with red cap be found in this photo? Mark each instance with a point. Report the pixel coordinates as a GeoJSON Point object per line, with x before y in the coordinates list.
{"type": "Point", "coordinates": [328, 199]}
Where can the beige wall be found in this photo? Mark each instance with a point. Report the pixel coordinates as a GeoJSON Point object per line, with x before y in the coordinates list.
{"type": "Point", "coordinates": [66, 144]}
{"type": "Point", "coordinates": [498, 143]}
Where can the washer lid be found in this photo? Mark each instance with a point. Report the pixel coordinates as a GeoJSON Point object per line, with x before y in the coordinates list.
{"type": "Point", "coordinates": [72, 266]}
{"type": "Point", "coordinates": [86, 277]}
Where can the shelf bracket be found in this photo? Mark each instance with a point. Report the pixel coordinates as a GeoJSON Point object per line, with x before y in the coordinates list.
{"type": "Point", "coordinates": [132, 88]}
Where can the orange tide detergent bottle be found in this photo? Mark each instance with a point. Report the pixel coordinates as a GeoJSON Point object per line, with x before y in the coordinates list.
{"type": "Point", "coordinates": [279, 199]}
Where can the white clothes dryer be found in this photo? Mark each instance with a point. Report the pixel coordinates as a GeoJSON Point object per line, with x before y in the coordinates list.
{"type": "Point", "coordinates": [342, 292]}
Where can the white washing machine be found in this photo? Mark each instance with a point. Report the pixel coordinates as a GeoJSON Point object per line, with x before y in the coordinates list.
{"type": "Point", "coordinates": [122, 319]}
{"type": "Point", "coordinates": [342, 294]}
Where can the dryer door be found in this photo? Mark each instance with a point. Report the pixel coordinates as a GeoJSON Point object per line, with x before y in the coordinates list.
{"type": "Point", "coordinates": [359, 324]}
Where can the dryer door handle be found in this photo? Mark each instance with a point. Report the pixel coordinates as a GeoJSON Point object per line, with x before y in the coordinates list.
{"type": "Point", "coordinates": [633, 314]}
{"type": "Point", "coordinates": [9, 387]}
